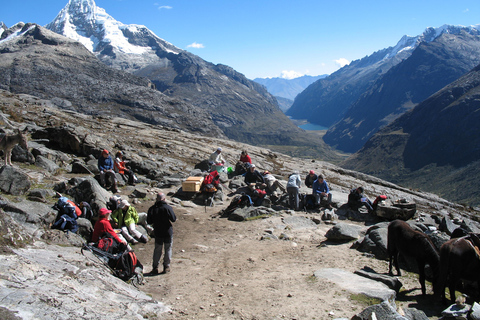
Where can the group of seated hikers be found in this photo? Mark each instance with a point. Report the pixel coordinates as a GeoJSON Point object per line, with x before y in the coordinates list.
{"type": "Point", "coordinates": [264, 185]}
{"type": "Point", "coordinates": [109, 167]}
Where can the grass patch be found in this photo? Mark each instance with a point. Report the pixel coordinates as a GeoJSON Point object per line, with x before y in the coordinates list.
{"type": "Point", "coordinates": [262, 216]}
{"type": "Point", "coordinates": [364, 300]}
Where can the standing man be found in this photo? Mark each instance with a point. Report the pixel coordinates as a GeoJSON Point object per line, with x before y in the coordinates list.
{"type": "Point", "coordinates": [293, 185]}
{"type": "Point", "coordinates": [161, 215]}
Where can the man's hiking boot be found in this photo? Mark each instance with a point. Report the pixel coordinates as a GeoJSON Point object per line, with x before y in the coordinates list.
{"type": "Point", "coordinates": [154, 271]}
{"type": "Point", "coordinates": [143, 239]}
{"type": "Point", "coordinates": [133, 241]}
{"type": "Point", "coordinates": [166, 270]}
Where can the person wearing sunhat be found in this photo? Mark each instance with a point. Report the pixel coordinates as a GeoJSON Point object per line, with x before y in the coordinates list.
{"type": "Point", "coordinates": [103, 226]}
{"type": "Point", "coordinates": [161, 216]}
{"type": "Point", "coordinates": [126, 218]}
{"type": "Point", "coordinates": [310, 179]}
{"type": "Point", "coordinates": [105, 166]}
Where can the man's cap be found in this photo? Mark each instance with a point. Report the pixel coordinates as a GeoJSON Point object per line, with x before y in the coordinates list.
{"type": "Point", "coordinates": [312, 172]}
{"type": "Point", "coordinates": [105, 151]}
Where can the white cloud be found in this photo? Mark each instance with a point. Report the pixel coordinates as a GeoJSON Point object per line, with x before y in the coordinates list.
{"type": "Point", "coordinates": [196, 45]}
{"type": "Point", "coordinates": [290, 74]}
{"type": "Point", "coordinates": [163, 7]}
{"type": "Point", "coordinates": [342, 62]}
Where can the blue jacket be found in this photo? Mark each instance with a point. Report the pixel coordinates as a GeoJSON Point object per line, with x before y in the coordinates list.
{"type": "Point", "coordinates": [105, 164]}
{"type": "Point", "coordinates": [320, 187]}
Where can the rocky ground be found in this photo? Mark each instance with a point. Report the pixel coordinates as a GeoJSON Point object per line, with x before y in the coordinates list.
{"type": "Point", "coordinates": [267, 268]}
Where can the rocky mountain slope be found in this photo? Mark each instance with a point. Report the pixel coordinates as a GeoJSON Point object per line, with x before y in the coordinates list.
{"type": "Point", "coordinates": [37, 61]}
{"type": "Point", "coordinates": [233, 265]}
{"type": "Point", "coordinates": [328, 100]}
{"type": "Point", "coordinates": [434, 147]}
{"type": "Point", "coordinates": [241, 108]}
{"type": "Point", "coordinates": [431, 66]}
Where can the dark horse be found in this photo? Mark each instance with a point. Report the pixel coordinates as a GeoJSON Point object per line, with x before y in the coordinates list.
{"type": "Point", "coordinates": [458, 260]}
{"type": "Point", "coordinates": [407, 241]}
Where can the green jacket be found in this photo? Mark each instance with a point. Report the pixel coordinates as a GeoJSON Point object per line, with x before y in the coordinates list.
{"type": "Point", "coordinates": [125, 218]}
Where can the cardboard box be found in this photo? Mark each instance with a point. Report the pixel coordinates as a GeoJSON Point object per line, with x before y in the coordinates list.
{"type": "Point", "coordinates": [192, 184]}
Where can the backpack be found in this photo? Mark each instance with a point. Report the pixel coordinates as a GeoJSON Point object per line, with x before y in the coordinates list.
{"type": "Point", "coordinates": [87, 211]}
{"type": "Point", "coordinates": [239, 201]}
{"type": "Point", "coordinates": [68, 207]}
{"type": "Point", "coordinates": [66, 223]}
{"type": "Point", "coordinates": [126, 265]}
{"type": "Point", "coordinates": [109, 245]}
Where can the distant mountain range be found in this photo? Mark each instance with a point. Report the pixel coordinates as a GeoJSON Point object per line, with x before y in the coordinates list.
{"type": "Point", "coordinates": [288, 88]}
{"type": "Point", "coordinates": [357, 100]}
{"type": "Point", "coordinates": [285, 90]}
{"type": "Point", "coordinates": [435, 146]}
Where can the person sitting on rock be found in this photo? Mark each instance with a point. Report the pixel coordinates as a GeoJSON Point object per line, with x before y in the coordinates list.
{"type": "Point", "coordinates": [253, 177]}
{"type": "Point", "coordinates": [356, 199]}
{"type": "Point", "coordinates": [105, 166]}
{"type": "Point", "coordinates": [125, 218]}
{"type": "Point", "coordinates": [103, 226]}
{"type": "Point", "coordinates": [114, 203]}
{"type": "Point", "coordinates": [243, 164]}
{"type": "Point", "coordinates": [321, 191]}
{"type": "Point", "coordinates": [272, 183]}
{"type": "Point", "coordinates": [209, 187]}
{"type": "Point", "coordinates": [258, 196]}
{"type": "Point", "coordinates": [120, 168]}
{"type": "Point", "coordinates": [217, 157]}
{"type": "Point", "coordinates": [310, 179]}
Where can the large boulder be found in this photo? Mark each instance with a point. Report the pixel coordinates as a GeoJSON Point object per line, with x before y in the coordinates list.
{"type": "Point", "coordinates": [396, 211]}
{"type": "Point", "coordinates": [375, 241]}
{"type": "Point", "coordinates": [344, 232]}
{"type": "Point", "coordinates": [13, 181]}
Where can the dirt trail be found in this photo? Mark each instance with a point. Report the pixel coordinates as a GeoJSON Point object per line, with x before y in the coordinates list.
{"type": "Point", "coordinates": [222, 269]}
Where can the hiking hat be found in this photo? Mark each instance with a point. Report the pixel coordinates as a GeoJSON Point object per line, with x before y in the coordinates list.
{"type": "Point", "coordinates": [219, 149]}
{"type": "Point", "coordinates": [104, 212]}
{"type": "Point", "coordinates": [124, 204]}
{"type": "Point", "coordinates": [265, 172]}
{"type": "Point", "coordinates": [105, 151]}
{"type": "Point", "coordinates": [252, 166]}
{"type": "Point", "coordinates": [312, 172]}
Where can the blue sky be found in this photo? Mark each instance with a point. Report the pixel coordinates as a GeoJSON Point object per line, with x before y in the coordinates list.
{"type": "Point", "coordinates": [271, 38]}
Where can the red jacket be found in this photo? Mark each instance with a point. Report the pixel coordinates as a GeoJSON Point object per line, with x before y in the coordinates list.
{"type": "Point", "coordinates": [103, 226]}
{"type": "Point", "coordinates": [119, 166]}
{"type": "Point", "coordinates": [246, 158]}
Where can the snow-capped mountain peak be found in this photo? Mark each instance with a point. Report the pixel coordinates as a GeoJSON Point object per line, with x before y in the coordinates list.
{"type": "Point", "coordinates": [84, 21]}
{"type": "Point", "coordinates": [409, 43]}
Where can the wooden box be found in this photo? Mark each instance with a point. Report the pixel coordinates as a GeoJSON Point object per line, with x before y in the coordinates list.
{"type": "Point", "coordinates": [192, 184]}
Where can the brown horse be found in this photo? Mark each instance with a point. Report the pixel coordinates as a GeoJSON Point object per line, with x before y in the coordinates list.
{"type": "Point", "coordinates": [407, 241]}
{"type": "Point", "coordinates": [7, 142]}
{"type": "Point", "coordinates": [458, 260]}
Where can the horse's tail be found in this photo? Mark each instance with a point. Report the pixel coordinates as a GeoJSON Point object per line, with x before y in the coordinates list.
{"type": "Point", "coordinates": [444, 267]}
